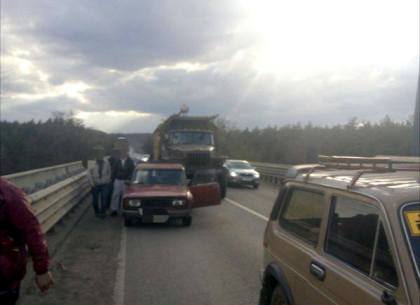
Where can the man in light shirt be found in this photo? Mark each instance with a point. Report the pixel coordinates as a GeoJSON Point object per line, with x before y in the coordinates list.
{"type": "Point", "coordinates": [99, 176]}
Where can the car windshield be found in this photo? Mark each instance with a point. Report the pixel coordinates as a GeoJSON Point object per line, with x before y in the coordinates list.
{"type": "Point", "coordinates": [191, 137]}
{"type": "Point", "coordinates": [410, 215]}
{"type": "Point", "coordinates": [239, 165]}
{"type": "Point", "coordinates": [159, 177]}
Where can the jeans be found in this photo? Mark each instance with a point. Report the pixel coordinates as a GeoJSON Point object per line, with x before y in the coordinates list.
{"type": "Point", "coordinates": [9, 297]}
{"type": "Point", "coordinates": [109, 190]}
{"type": "Point", "coordinates": [99, 193]}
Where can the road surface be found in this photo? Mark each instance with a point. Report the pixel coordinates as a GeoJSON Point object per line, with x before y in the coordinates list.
{"type": "Point", "coordinates": [216, 261]}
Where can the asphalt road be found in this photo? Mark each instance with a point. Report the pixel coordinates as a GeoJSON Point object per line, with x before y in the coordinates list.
{"type": "Point", "coordinates": [215, 261]}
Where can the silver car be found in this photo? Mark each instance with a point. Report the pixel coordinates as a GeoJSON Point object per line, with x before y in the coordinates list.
{"type": "Point", "coordinates": [240, 172]}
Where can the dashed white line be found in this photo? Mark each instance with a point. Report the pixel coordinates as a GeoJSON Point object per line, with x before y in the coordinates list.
{"type": "Point", "coordinates": [237, 204]}
{"type": "Point", "coordinates": [120, 277]}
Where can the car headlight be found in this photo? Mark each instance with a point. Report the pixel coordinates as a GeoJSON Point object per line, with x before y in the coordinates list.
{"type": "Point", "coordinates": [178, 202]}
{"type": "Point", "coordinates": [233, 174]}
{"type": "Point", "coordinates": [134, 203]}
{"type": "Point", "coordinates": [256, 174]}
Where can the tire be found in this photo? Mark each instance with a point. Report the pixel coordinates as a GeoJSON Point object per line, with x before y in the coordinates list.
{"type": "Point", "coordinates": [255, 185]}
{"type": "Point", "coordinates": [277, 297]}
{"type": "Point", "coordinates": [128, 222]}
{"type": "Point", "coordinates": [186, 221]}
{"type": "Point", "coordinates": [223, 191]}
{"type": "Point", "coordinates": [222, 186]}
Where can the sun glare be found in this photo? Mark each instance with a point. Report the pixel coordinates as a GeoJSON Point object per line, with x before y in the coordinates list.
{"type": "Point", "coordinates": [304, 36]}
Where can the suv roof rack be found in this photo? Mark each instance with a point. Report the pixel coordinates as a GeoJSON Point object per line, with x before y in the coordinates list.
{"type": "Point", "coordinates": [351, 162]}
{"type": "Point", "coordinates": [364, 165]}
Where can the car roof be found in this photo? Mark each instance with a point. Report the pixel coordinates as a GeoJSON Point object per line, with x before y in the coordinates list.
{"type": "Point", "coordinates": [160, 166]}
{"type": "Point", "coordinates": [392, 187]}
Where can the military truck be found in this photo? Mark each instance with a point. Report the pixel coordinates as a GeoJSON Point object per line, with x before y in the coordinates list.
{"type": "Point", "coordinates": [190, 140]}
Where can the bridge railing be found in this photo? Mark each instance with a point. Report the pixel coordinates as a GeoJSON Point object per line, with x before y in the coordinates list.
{"type": "Point", "coordinates": [271, 172]}
{"type": "Point", "coordinates": [53, 191]}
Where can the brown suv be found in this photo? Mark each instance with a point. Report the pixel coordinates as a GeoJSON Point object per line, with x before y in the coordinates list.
{"type": "Point", "coordinates": [344, 237]}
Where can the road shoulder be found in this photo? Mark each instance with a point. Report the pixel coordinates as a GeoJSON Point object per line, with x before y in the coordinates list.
{"type": "Point", "coordinates": [85, 266]}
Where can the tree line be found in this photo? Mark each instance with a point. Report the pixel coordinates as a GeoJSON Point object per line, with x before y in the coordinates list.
{"type": "Point", "coordinates": [60, 139]}
{"type": "Point", "coordinates": [298, 143]}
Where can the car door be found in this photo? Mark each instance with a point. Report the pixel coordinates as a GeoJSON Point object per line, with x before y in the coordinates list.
{"type": "Point", "coordinates": [358, 260]}
{"type": "Point", "coordinates": [205, 194]}
{"type": "Point", "coordinates": [294, 241]}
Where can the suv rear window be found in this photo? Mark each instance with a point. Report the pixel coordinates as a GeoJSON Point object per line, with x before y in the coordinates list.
{"type": "Point", "coordinates": [357, 237]}
{"type": "Point", "coordinates": [302, 214]}
{"type": "Point", "coordinates": [410, 214]}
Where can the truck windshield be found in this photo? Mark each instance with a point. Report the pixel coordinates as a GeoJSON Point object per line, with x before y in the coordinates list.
{"type": "Point", "coordinates": [410, 215]}
{"type": "Point", "coordinates": [159, 177]}
{"type": "Point", "coordinates": [191, 137]}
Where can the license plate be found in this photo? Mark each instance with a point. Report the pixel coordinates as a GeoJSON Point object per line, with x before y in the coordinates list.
{"type": "Point", "coordinates": [160, 218]}
{"type": "Point", "coordinates": [246, 179]}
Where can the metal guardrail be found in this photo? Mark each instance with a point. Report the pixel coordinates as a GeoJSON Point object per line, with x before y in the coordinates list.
{"type": "Point", "coordinates": [37, 179]}
{"type": "Point", "coordinates": [56, 190]}
{"type": "Point", "coordinates": [271, 172]}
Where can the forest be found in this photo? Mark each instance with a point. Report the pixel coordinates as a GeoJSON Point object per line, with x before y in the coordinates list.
{"type": "Point", "coordinates": [298, 143]}
{"type": "Point", "coordinates": [60, 139]}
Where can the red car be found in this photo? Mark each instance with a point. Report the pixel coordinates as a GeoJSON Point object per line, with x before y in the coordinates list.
{"type": "Point", "coordinates": [160, 191]}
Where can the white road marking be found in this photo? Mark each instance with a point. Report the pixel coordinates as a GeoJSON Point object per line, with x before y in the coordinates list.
{"type": "Point", "coordinates": [237, 204]}
{"type": "Point", "coordinates": [120, 276]}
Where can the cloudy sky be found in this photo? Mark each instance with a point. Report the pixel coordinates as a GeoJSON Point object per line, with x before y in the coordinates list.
{"type": "Point", "coordinates": [122, 66]}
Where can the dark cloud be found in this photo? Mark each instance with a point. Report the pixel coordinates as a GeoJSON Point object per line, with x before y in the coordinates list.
{"type": "Point", "coordinates": [126, 34]}
{"type": "Point", "coordinates": [150, 57]}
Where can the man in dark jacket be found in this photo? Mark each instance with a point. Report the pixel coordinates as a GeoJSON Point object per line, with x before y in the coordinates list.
{"type": "Point", "coordinates": [19, 230]}
{"type": "Point", "coordinates": [123, 171]}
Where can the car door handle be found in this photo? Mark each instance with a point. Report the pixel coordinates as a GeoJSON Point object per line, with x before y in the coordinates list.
{"type": "Point", "coordinates": [388, 299]}
{"type": "Point", "coordinates": [317, 270]}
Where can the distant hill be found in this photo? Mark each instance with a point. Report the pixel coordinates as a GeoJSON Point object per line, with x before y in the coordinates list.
{"type": "Point", "coordinates": [141, 142]}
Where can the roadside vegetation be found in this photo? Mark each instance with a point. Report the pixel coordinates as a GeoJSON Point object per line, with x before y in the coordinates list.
{"type": "Point", "coordinates": [58, 140]}
{"type": "Point", "coordinates": [62, 139]}
{"type": "Point", "coordinates": [298, 143]}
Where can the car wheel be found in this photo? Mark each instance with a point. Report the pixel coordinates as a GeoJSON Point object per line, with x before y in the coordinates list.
{"type": "Point", "coordinates": [127, 222]}
{"type": "Point", "coordinates": [186, 221]}
{"type": "Point", "coordinates": [277, 297]}
{"type": "Point", "coordinates": [255, 185]}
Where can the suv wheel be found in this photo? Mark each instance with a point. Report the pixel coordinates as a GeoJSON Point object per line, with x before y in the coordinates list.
{"type": "Point", "coordinates": [186, 221]}
{"type": "Point", "coordinates": [277, 298]}
{"type": "Point", "coordinates": [255, 185]}
{"type": "Point", "coordinates": [127, 222]}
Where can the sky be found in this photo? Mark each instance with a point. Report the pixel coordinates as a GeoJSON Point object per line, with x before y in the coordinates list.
{"type": "Point", "coordinates": [123, 66]}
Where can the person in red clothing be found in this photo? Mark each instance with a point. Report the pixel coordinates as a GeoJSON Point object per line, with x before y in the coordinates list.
{"type": "Point", "coordinates": [20, 231]}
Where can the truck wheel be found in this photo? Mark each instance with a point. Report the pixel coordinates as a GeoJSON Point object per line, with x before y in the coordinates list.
{"type": "Point", "coordinates": [222, 185]}
{"type": "Point", "coordinates": [223, 190]}
{"type": "Point", "coordinates": [127, 222]}
{"type": "Point", "coordinates": [186, 221]}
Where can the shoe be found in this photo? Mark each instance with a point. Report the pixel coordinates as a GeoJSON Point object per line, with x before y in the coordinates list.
{"type": "Point", "coordinates": [113, 214]}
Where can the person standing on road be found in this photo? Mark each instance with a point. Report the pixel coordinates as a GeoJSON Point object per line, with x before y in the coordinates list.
{"type": "Point", "coordinates": [19, 230]}
{"type": "Point", "coordinates": [124, 171]}
{"type": "Point", "coordinates": [99, 176]}
{"type": "Point", "coordinates": [112, 160]}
